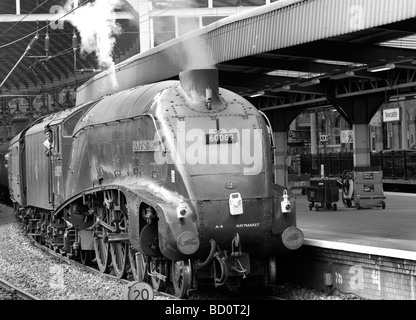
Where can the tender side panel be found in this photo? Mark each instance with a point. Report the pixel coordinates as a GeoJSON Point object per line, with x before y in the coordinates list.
{"type": "Point", "coordinates": [38, 173]}
{"type": "Point", "coordinates": [15, 177]}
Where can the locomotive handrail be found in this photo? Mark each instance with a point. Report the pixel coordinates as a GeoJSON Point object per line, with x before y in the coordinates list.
{"type": "Point", "coordinates": [271, 129]}
{"type": "Point", "coordinates": [157, 131]}
{"type": "Point", "coordinates": [38, 120]}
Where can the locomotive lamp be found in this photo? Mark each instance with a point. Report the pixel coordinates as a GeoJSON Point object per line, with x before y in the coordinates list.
{"type": "Point", "coordinates": [236, 204]}
{"type": "Point", "coordinates": [285, 204]}
{"type": "Point", "coordinates": [181, 210]}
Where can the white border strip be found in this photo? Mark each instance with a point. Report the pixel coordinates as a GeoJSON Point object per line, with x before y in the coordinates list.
{"type": "Point", "coordinates": [394, 253]}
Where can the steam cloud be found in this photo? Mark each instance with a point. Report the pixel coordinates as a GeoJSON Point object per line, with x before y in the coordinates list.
{"type": "Point", "coordinates": [97, 26]}
{"type": "Point", "coordinates": [196, 54]}
{"type": "Point", "coordinates": [189, 54]}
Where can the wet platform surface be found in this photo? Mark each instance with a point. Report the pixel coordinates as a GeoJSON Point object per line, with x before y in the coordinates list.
{"type": "Point", "coordinates": [390, 231]}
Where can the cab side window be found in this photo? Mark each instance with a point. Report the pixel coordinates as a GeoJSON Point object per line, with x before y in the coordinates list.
{"type": "Point", "coordinates": [70, 124]}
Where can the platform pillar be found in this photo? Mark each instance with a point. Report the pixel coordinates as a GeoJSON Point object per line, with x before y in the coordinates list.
{"type": "Point", "coordinates": [405, 127]}
{"type": "Point", "coordinates": [314, 134]}
{"type": "Point", "coordinates": [280, 153]}
{"type": "Point", "coordinates": [358, 111]}
{"type": "Point", "coordinates": [361, 145]}
{"type": "Point", "coordinates": [412, 131]}
{"type": "Point", "coordinates": [280, 121]}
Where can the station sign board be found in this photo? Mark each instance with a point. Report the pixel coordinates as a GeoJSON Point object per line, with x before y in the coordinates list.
{"type": "Point", "coordinates": [390, 115]}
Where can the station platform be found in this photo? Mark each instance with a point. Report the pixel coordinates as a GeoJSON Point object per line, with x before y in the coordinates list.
{"type": "Point", "coordinates": [370, 252]}
{"type": "Point", "coordinates": [392, 228]}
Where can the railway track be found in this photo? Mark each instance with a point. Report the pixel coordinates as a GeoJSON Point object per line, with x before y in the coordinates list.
{"type": "Point", "coordinates": [17, 291]}
{"type": "Point", "coordinates": [198, 296]}
{"type": "Point", "coordinates": [95, 271]}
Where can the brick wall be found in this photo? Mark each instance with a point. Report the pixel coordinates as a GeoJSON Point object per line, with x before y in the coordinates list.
{"type": "Point", "coordinates": [365, 275]}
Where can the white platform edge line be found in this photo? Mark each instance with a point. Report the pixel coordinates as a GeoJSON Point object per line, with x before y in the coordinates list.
{"type": "Point", "coordinates": [395, 253]}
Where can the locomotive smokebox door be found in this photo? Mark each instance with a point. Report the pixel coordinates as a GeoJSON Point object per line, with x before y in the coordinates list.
{"type": "Point", "coordinates": [236, 204]}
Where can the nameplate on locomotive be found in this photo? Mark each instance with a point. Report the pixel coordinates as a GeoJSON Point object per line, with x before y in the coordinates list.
{"type": "Point", "coordinates": [217, 138]}
{"type": "Point", "coordinates": [146, 145]}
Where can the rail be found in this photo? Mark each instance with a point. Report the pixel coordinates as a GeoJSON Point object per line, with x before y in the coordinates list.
{"type": "Point", "coordinates": [19, 292]}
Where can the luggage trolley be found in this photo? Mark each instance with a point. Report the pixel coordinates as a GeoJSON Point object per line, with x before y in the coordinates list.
{"type": "Point", "coordinates": [363, 188]}
{"type": "Point", "coordinates": [323, 193]}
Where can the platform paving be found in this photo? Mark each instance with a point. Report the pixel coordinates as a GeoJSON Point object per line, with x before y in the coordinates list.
{"type": "Point", "coordinates": [392, 229]}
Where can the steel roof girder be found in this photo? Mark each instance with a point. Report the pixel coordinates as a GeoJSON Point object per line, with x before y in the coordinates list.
{"type": "Point", "coordinates": [345, 51]}
{"type": "Point", "coordinates": [359, 109]}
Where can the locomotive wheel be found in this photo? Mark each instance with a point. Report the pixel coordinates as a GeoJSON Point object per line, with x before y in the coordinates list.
{"type": "Point", "coordinates": [139, 267]}
{"type": "Point", "coordinates": [181, 277]}
{"type": "Point", "coordinates": [119, 252]}
{"type": "Point", "coordinates": [101, 247]}
{"type": "Point", "coordinates": [160, 266]}
{"type": "Point", "coordinates": [86, 257]}
{"type": "Point", "coordinates": [119, 258]}
{"type": "Point", "coordinates": [102, 254]}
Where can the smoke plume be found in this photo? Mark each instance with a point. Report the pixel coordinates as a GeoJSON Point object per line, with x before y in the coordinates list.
{"type": "Point", "coordinates": [98, 28]}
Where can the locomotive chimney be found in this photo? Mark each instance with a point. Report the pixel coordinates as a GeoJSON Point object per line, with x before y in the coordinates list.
{"type": "Point", "coordinates": [201, 87]}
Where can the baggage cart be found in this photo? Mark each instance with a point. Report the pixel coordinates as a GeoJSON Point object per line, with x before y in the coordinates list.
{"type": "Point", "coordinates": [323, 193]}
{"type": "Point", "coordinates": [368, 189]}
{"type": "Point", "coordinates": [363, 188]}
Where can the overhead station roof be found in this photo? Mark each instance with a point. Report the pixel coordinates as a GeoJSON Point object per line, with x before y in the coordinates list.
{"type": "Point", "coordinates": [292, 51]}
{"type": "Point", "coordinates": [30, 64]}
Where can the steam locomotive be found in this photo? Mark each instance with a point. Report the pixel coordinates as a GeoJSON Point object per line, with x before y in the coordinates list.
{"type": "Point", "coordinates": [171, 181]}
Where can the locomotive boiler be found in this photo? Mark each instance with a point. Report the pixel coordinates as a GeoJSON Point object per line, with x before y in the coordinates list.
{"type": "Point", "coordinates": [171, 181]}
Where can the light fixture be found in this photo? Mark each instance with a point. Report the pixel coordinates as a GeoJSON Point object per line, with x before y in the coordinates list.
{"type": "Point", "coordinates": [284, 88]}
{"type": "Point", "coordinates": [344, 75]}
{"type": "Point", "coordinates": [385, 67]}
{"type": "Point", "coordinates": [257, 94]}
{"type": "Point", "coordinates": [88, 70]}
{"type": "Point", "coordinates": [309, 83]}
